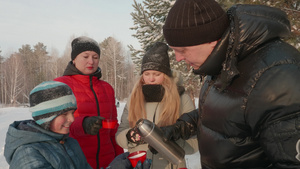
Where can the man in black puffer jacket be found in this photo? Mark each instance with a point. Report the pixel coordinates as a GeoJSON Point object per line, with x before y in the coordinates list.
{"type": "Point", "coordinates": [249, 104]}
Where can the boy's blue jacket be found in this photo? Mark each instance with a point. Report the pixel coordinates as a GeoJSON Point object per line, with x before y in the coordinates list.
{"type": "Point", "coordinates": [29, 146]}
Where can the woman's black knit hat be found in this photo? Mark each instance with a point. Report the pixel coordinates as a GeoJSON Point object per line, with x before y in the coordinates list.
{"type": "Point", "coordinates": [82, 44]}
{"type": "Point", "coordinates": [194, 22]}
{"type": "Point", "coordinates": [157, 58]}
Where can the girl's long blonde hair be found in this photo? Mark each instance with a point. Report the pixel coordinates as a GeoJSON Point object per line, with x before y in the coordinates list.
{"type": "Point", "coordinates": [169, 112]}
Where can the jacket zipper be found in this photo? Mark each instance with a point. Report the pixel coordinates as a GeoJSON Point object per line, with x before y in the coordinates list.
{"type": "Point", "coordinates": [62, 143]}
{"type": "Point", "coordinates": [98, 112]}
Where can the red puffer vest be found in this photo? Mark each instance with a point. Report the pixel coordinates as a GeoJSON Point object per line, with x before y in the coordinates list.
{"type": "Point", "coordinates": [91, 94]}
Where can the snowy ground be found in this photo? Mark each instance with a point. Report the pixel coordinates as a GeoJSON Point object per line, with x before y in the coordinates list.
{"type": "Point", "coordinates": [8, 115]}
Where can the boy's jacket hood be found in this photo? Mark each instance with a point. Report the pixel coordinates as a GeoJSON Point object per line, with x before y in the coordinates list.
{"type": "Point", "coordinates": [26, 132]}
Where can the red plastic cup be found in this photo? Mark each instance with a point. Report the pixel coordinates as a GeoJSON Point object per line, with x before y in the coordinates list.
{"type": "Point", "coordinates": [137, 156]}
{"type": "Point", "coordinates": [109, 124]}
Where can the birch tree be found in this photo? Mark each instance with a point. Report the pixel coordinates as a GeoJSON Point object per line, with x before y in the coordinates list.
{"type": "Point", "coordinates": [116, 66]}
{"type": "Point", "coordinates": [2, 82]}
{"type": "Point", "coordinates": [15, 76]}
{"type": "Point", "coordinates": [112, 57]}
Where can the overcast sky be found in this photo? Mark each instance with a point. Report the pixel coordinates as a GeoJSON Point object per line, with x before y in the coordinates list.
{"type": "Point", "coordinates": [54, 22]}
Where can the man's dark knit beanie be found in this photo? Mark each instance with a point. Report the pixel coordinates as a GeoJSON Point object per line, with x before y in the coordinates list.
{"type": "Point", "coordinates": [194, 22]}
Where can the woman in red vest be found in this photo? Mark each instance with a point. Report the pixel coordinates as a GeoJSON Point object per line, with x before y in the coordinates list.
{"type": "Point", "coordinates": [95, 101]}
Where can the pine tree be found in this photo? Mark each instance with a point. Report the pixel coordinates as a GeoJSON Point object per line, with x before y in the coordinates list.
{"type": "Point", "coordinates": [148, 20]}
{"type": "Point", "coordinates": [149, 17]}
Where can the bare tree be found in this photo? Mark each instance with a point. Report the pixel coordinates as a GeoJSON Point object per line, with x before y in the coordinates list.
{"type": "Point", "coordinates": [2, 79]}
{"type": "Point", "coordinates": [116, 66]}
{"type": "Point", "coordinates": [14, 75]}
{"type": "Point", "coordinates": [63, 61]}
{"type": "Point", "coordinates": [111, 52]}
{"type": "Point", "coordinates": [53, 64]}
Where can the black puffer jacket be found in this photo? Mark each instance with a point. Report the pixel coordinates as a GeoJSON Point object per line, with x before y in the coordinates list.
{"type": "Point", "coordinates": [249, 110]}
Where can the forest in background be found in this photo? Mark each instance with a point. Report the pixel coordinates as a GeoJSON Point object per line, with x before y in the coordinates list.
{"type": "Point", "coordinates": [23, 70]}
{"type": "Point", "coordinates": [30, 65]}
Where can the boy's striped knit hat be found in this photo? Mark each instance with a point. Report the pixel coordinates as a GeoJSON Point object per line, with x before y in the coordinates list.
{"type": "Point", "coordinates": [49, 100]}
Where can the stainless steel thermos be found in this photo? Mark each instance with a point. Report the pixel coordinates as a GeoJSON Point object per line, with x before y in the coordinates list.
{"type": "Point", "coordinates": [153, 135]}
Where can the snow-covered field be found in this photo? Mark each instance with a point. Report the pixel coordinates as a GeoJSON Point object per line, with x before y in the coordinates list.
{"type": "Point", "coordinates": [8, 115]}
